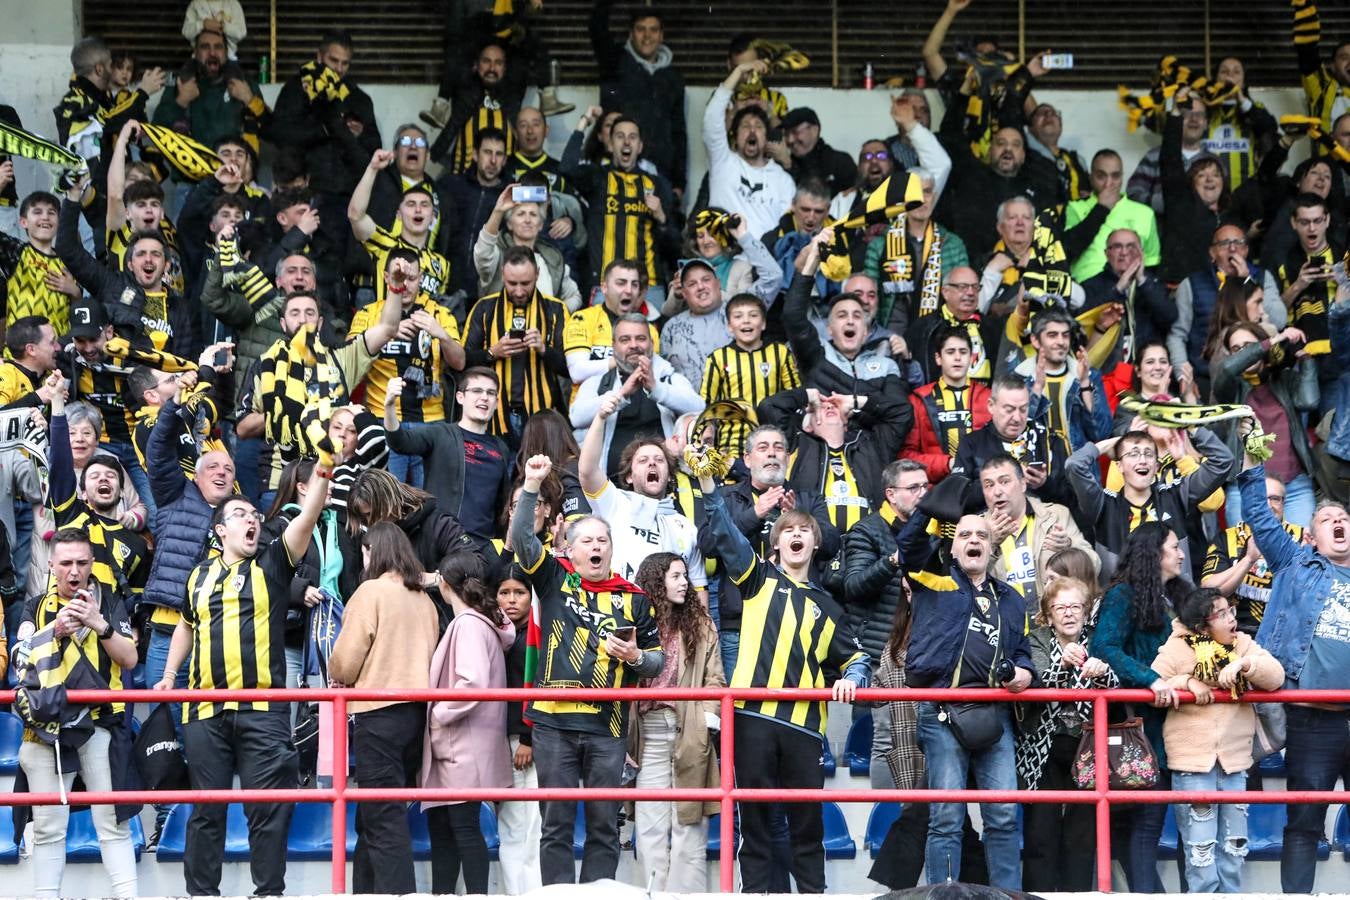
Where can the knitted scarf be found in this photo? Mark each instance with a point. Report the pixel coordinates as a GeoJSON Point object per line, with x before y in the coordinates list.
{"type": "Point", "coordinates": [320, 81]}
{"type": "Point", "coordinates": [901, 260]}
{"type": "Point", "coordinates": [301, 386]}
{"type": "Point", "coordinates": [1210, 659]}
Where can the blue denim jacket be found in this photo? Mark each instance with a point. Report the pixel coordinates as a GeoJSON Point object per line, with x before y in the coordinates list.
{"type": "Point", "coordinates": [1338, 322]}
{"type": "Point", "coordinates": [1303, 579]}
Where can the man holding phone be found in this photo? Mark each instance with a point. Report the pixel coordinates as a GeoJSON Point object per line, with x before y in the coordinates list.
{"type": "Point", "coordinates": [1308, 279]}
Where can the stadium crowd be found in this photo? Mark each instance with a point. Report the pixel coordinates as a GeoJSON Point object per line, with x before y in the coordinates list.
{"type": "Point", "coordinates": [965, 410]}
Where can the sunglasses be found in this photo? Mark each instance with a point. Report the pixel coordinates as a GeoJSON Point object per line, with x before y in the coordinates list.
{"type": "Point", "coordinates": [876, 155]}
{"type": "Point", "coordinates": [409, 141]}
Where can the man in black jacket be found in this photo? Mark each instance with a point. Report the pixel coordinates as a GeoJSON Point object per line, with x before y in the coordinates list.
{"type": "Point", "coordinates": [1019, 427]}
{"type": "Point", "coordinates": [468, 471]}
{"type": "Point", "coordinates": [1149, 311]}
{"type": "Point", "coordinates": [639, 78]}
{"type": "Point", "coordinates": [811, 159]}
{"type": "Point", "coordinates": [873, 590]}
{"type": "Point", "coordinates": [472, 196]}
{"type": "Point", "coordinates": [323, 114]}
{"type": "Point", "coordinates": [831, 457]}
{"type": "Point", "coordinates": [755, 502]}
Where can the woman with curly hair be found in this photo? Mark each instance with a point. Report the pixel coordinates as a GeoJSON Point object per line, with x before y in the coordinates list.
{"type": "Point", "coordinates": [1134, 622]}
{"type": "Point", "coordinates": [673, 740]}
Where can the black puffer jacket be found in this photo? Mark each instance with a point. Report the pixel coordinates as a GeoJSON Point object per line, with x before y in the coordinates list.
{"type": "Point", "coordinates": [872, 590]}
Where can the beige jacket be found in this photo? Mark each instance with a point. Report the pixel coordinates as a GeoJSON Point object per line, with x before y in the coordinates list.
{"type": "Point", "coordinates": [1198, 736]}
{"type": "Point", "coordinates": [387, 638]}
{"type": "Point", "coordinates": [695, 753]}
{"type": "Point", "coordinates": [1047, 516]}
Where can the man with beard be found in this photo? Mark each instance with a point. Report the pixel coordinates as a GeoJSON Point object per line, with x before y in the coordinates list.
{"type": "Point", "coordinates": [653, 394]}
{"type": "Point", "coordinates": [803, 220]}
{"type": "Point", "coordinates": [1019, 427]}
{"type": "Point", "coordinates": [631, 210]}
{"type": "Point", "coordinates": [473, 195]}
{"type": "Point", "coordinates": [135, 298]}
{"type": "Point", "coordinates": [877, 160]}
{"type": "Point", "coordinates": [588, 339]}
{"type": "Point", "coordinates": [486, 96]}
{"type": "Point", "coordinates": [121, 556]}
{"type": "Point", "coordinates": [30, 344]}
{"type": "Point", "coordinates": [979, 188]}
{"type": "Point", "coordinates": [212, 98]}
{"type": "Point", "coordinates": [471, 475]}
{"type": "Point", "coordinates": [689, 339]}
{"type": "Point", "coordinates": [1071, 391]}
{"type": "Point", "coordinates": [641, 514]}
{"type": "Point", "coordinates": [911, 260]}
{"type": "Point", "coordinates": [745, 179]}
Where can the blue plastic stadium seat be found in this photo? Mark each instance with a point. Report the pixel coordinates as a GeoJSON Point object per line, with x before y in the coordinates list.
{"type": "Point", "coordinates": [826, 757]}
{"type": "Point", "coordinates": [173, 840]}
{"type": "Point", "coordinates": [311, 836]}
{"type": "Point", "coordinates": [9, 851]}
{"type": "Point", "coordinates": [1265, 832]}
{"type": "Point", "coordinates": [858, 747]}
{"type": "Point", "coordinates": [1273, 766]}
{"type": "Point", "coordinates": [838, 842]}
{"type": "Point", "coordinates": [11, 735]}
{"type": "Point", "coordinates": [579, 831]}
{"type": "Point", "coordinates": [487, 821]}
{"type": "Point", "coordinates": [1340, 835]}
{"type": "Point", "coordinates": [715, 838]}
{"type": "Point", "coordinates": [82, 838]}
{"type": "Point", "coordinates": [879, 823]}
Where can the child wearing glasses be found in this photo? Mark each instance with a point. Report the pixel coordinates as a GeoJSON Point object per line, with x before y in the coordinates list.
{"type": "Point", "coordinates": [1208, 744]}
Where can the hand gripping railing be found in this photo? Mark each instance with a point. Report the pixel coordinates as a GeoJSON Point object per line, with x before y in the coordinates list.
{"type": "Point", "coordinates": [726, 794]}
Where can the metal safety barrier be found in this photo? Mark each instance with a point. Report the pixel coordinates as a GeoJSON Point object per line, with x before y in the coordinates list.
{"type": "Point", "coordinates": [726, 794]}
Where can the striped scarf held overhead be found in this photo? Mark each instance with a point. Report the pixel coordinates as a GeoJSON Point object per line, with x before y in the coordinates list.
{"type": "Point", "coordinates": [301, 385]}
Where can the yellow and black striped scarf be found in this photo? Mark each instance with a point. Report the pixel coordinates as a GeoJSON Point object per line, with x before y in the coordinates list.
{"type": "Point", "coordinates": [540, 389]}
{"type": "Point", "coordinates": [301, 385]}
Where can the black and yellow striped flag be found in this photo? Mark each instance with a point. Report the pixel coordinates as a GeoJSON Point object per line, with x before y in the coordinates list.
{"type": "Point", "coordinates": [14, 141]}
{"type": "Point", "coordinates": [190, 159]}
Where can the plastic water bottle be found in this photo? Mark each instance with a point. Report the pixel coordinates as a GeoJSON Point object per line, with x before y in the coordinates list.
{"type": "Point", "coordinates": [867, 77]}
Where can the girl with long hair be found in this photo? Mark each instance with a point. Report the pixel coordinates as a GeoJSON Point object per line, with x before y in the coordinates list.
{"type": "Point", "coordinates": [389, 630]}
{"type": "Point", "coordinates": [1238, 301]}
{"type": "Point", "coordinates": [466, 744]}
{"type": "Point", "coordinates": [377, 496]}
{"type": "Point", "coordinates": [1135, 620]}
{"type": "Point", "coordinates": [548, 433]}
{"type": "Point", "coordinates": [671, 739]}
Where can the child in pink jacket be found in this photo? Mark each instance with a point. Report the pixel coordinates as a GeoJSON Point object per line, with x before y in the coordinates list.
{"type": "Point", "coordinates": [1209, 745]}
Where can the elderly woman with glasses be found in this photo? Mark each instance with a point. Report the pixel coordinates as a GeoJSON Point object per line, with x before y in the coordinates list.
{"type": "Point", "coordinates": [523, 222]}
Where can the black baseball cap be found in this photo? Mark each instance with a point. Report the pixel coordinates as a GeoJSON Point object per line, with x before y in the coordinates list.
{"type": "Point", "coordinates": [87, 318]}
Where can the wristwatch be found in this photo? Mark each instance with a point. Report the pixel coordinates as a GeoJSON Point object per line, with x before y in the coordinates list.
{"type": "Point", "coordinates": [106, 632]}
{"type": "Point", "coordinates": [642, 654]}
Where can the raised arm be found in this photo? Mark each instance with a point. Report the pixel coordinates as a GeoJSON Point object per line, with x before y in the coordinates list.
{"type": "Point", "coordinates": [363, 226]}
{"type": "Point", "coordinates": [92, 276]}
{"type": "Point", "coordinates": [730, 545]}
{"type": "Point", "coordinates": [398, 283]}
{"type": "Point", "coordinates": [1280, 550]}
{"type": "Point", "coordinates": [300, 531]}
{"type": "Point", "coordinates": [932, 45]}
{"type": "Point", "coordinates": [1081, 469]}
{"type": "Point", "coordinates": [116, 215]}
{"type": "Point", "coordinates": [524, 543]}
{"type": "Point", "coordinates": [591, 463]}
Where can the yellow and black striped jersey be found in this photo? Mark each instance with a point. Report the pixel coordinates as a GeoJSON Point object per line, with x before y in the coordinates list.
{"type": "Point", "coordinates": [489, 115]}
{"type": "Point", "coordinates": [119, 241]}
{"type": "Point", "coordinates": [1308, 312]}
{"type": "Point", "coordinates": [53, 659]}
{"type": "Point", "coordinates": [1328, 99]}
{"type": "Point", "coordinates": [435, 267]}
{"type": "Point", "coordinates": [574, 622]}
{"type": "Point", "coordinates": [85, 111]}
{"type": "Point", "coordinates": [530, 381]}
{"type": "Point", "coordinates": [24, 269]}
{"type": "Point", "coordinates": [627, 227]}
{"type": "Point", "coordinates": [843, 498]}
{"type": "Point", "coordinates": [751, 376]}
{"type": "Point", "coordinates": [790, 632]}
{"type": "Point", "coordinates": [238, 618]}
{"type": "Point", "coordinates": [421, 352]}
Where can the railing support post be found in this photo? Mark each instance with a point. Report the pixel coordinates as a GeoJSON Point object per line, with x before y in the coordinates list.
{"type": "Point", "coordinates": [727, 824]}
{"type": "Point", "coordinates": [1102, 783]}
{"type": "Point", "coordinates": [339, 794]}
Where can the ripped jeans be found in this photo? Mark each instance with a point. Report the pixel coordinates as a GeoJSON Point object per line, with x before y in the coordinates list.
{"type": "Point", "coordinates": [1213, 836]}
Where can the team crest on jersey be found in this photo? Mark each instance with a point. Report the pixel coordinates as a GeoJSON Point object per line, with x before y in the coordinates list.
{"type": "Point", "coordinates": [424, 344]}
{"type": "Point", "coordinates": [815, 611]}
{"type": "Point", "coordinates": [128, 297]}
{"type": "Point", "coordinates": [765, 368]}
{"type": "Point", "coordinates": [237, 583]}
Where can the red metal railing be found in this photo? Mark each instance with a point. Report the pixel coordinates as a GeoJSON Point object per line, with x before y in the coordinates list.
{"type": "Point", "coordinates": [726, 794]}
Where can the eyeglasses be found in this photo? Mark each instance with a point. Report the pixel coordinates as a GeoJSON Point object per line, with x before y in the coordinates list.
{"type": "Point", "coordinates": [1066, 608]}
{"type": "Point", "coordinates": [245, 514]}
{"type": "Point", "coordinates": [964, 287]}
{"type": "Point", "coordinates": [1120, 248]}
{"type": "Point", "coordinates": [910, 488]}
{"type": "Point", "coordinates": [490, 393]}
{"type": "Point", "coordinates": [1275, 496]}
{"type": "Point", "coordinates": [871, 155]}
{"type": "Point", "coordinates": [1230, 243]}
{"type": "Point", "coordinates": [1139, 454]}
{"type": "Point", "coordinates": [409, 140]}
{"type": "Point", "coordinates": [1226, 613]}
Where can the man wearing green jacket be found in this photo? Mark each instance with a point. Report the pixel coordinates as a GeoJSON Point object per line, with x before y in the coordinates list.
{"type": "Point", "coordinates": [1107, 176]}
{"type": "Point", "coordinates": [212, 98]}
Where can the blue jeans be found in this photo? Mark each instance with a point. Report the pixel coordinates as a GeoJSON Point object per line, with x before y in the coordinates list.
{"type": "Point", "coordinates": [730, 644]}
{"type": "Point", "coordinates": [1214, 836]}
{"type": "Point", "coordinates": [1145, 828]}
{"type": "Point", "coordinates": [406, 467]}
{"type": "Point", "coordinates": [949, 766]}
{"type": "Point", "coordinates": [1316, 754]}
{"type": "Point", "coordinates": [126, 455]}
{"type": "Point", "coordinates": [156, 658]}
{"type": "Point", "coordinates": [1299, 502]}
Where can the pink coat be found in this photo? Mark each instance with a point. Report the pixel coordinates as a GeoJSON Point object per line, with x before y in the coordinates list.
{"type": "Point", "coordinates": [465, 745]}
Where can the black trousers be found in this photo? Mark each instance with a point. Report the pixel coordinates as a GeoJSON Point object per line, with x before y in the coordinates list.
{"type": "Point", "coordinates": [257, 747]}
{"type": "Point", "coordinates": [388, 745]}
{"type": "Point", "coordinates": [770, 755]}
{"type": "Point", "coordinates": [1059, 840]}
{"type": "Point", "coordinates": [457, 842]}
